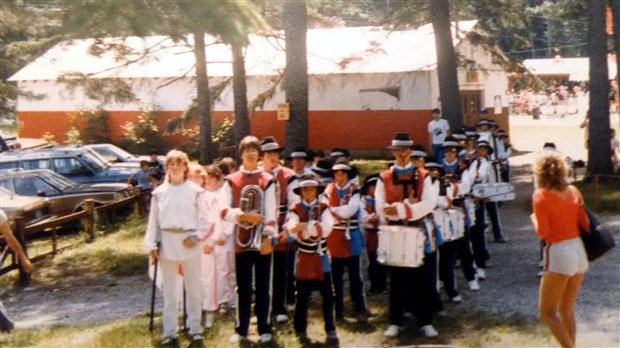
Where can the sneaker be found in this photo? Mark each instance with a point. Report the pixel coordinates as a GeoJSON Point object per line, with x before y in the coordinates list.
{"type": "Point", "coordinates": [408, 315]}
{"type": "Point", "coordinates": [442, 314]}
{"type": "Point", "coordinates": [169, 340]}
{"type": "Point", "coordinates": [362, 318]}
{"type": "Point", "coordinates": [332, 336]}
{"type": "Point", "coordinates": [429, 331]}
{"type": "Point", "coordinates": [266, 338]}
{"type": "Point", "coordinates": [473, 285]}
{"type": "Point", "coordinates": [196, 338]}
{"type": "Point", "coordinates": [209, 318]}
{"type": "Point", "coordinates": [457, 299]}
{"type": "Point", "coordinates": [541, 264]}
{"type": "Point", "coordinates": [482, 275]}
{"type": "Point", "coordinates": [392, 331]}
{"type": "Point", "coordinates": [236, 338]}
{"type": "Point", "coordinates": [281, 318]}
{"type": "Point", "coordinates": [541, 273]}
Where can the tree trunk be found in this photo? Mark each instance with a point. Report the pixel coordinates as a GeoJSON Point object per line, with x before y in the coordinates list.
{"type": "Point", "coordinates": [599, 151]}
{"type": "Point", "coordinates": [296, 73]}
{"type": "Point", "coordinates": [615, 10]}
{"type": "Point", "coordinates": [203, 103]}
{"type": "Point", "coordinates": [242, 117]}
{"type": "Point", "coordinates": [446, 65]}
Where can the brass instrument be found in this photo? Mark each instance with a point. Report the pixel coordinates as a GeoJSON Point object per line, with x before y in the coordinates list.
{"type": "Point", "coordinates": [315, 215]}
{"type": "Point", "coordinates": [251, 200]}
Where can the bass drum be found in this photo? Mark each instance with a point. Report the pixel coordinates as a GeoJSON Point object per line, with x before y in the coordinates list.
{"type": "Point", "coordinates": [401, 246]}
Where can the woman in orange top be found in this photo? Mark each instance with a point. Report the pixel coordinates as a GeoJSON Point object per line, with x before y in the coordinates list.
{"type": "Point", "coordinates": [559, 214]}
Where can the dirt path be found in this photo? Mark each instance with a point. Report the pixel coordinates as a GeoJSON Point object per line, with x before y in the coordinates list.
{"type": "Point", "coordinates": [510, 290]}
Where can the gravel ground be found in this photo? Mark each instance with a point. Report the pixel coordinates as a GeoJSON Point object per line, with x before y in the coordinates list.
{"type": "Point", "coordinates": [510, 291]}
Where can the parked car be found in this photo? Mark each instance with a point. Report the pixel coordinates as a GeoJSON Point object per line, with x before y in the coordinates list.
{"type": "Point", "coordinates": [64, 195]}
{"type": "Point", "coordinates": [9, 142]}
{"type": "Point", "coordinates": [32, 209]}
{"type": "Point", "coordinates": [115, 154]}
{"type": "Point", "coordinates": [76, 163]}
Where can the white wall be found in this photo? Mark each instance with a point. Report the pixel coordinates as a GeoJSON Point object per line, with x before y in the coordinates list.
{"type": "Point", "coordinates": [327, 92]}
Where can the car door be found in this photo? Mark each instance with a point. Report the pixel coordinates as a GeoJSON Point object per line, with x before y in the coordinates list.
{"type": "Point", "coordinates": [72, 168]}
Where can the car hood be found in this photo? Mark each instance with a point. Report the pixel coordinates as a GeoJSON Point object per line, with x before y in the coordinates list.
{"type": "Point", "coordinates": [118, 170]}
{"type": "Point", "coordinates": [107, 187]}
{"type": "Point", "coordinates": [131, 165]}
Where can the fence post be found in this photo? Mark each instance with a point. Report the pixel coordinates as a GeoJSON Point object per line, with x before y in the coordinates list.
{"type": "Point", "coordinates": [89, 220]}
{"type": "Point", "coordinates": [140, 204]}
{"type": "Point", "coordinates": [20, 225]}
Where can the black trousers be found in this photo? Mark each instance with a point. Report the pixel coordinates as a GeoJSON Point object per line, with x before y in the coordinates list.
{"type": "Point", "coordinates": [447, 259]}
{"type": "Point", "coordinates": [431, 294]}
{"type": "Point", "coordinates": [466, 256]}
{"type": "Point", "coordinates": [409, 291]}
{"type": "Point", "coordinates": [304, 290]}
{"type": "Point", "coordinates": [281, 274]}
{"type": "Point", "coordinates": [291, 255]}
{"type": "Point", "coordinates": [478, 239]}
{"type": "Point", "coordinates": [356, 285]}
{"type": "Point", "coordinates": [377, 273]}
{"type": "Point", "coordinates": [248, 264]}
{"type": "Point", "coordinates": [493, 212]}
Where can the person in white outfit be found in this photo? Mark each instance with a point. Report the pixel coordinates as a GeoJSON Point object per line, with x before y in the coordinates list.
{"type": "Point", "coordinates": [177, 222]}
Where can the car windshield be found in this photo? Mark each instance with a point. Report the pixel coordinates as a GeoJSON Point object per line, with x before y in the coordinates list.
{"type": "Point", "coordinates": [58, 181]}
{"type": "Point", "coordinates": [118, 151]}
{"type": "Point", "coordinates": [93, 160]}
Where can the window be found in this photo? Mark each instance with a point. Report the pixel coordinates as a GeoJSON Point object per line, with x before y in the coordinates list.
{"type": "Point", "coordinates": [7, 184]}
{"type": "Point", "coordinates": [69, 166]}
{"type": "Point", "coordinates": [36, 164]}
{"type": "Point", "coordinates": [8, 165]}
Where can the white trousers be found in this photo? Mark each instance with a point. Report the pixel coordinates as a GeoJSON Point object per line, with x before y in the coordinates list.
{"type": "Point", "coordinates": [191, 271]}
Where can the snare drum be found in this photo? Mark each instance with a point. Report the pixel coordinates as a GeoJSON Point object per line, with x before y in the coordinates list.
{"type": "Point", "coordinates": [401, 246]}
{"type": "Point", "coordinates": [441, 217]}
{"type": "Point", "coordinates": [497, 192]}
{"type": "Point", "coordinates": [457, 224]}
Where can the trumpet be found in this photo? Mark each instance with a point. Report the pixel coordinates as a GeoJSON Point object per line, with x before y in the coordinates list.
{"type": "Point", "coordinates": [251, 201]}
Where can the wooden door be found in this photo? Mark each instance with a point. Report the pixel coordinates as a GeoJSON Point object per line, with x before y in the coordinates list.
{"type": "Point", "coordinates": [471, 102]}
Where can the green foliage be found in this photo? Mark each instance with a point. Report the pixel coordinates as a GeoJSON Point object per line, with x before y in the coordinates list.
{"type": "Point", "coordinates": [88, 127]}
{"type": "Point", "coordinates": [222, 137]}
{"type": "Point", "coordinates": [144, 134]}
{"type": "Point", "coordinates": [26, 31]}
{"type": "Point", "coordinates": [103, 91]}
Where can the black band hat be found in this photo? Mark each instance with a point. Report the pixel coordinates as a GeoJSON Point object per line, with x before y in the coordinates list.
{"type": "Point", "coordinates": [549, 147]}
{"type": "Point", "coordinates": [299, 152]}
{"type": "Point", "coordinates": [483, 122]}
{"type": "Point", "coordinates": [323, 168]}
{"type": "Point", "coordinates": [338, 152]}
{"type": "Point", "coordinates": [484, 143]}
{"type": "Point", "coordinates": [309, 181]}
{"type": "Point", "coordinates": [269, 144]}
{"type": "Point", "coordinates": [343, 164]}
{"type": "Point", "coordinates": [472, 135]}
{"type": "Point", "coordinates": [401, 141]}
{"type": "Point", "coordinates": [431, 164]}
{"type": "Point", "coordinates": [418, 153]}
{"type": "Point", "coordinates": [502, 133]}
{"type": "Point", "coordinates": [459, 136]}
{"type": "Point", "coordinates": [369, 181]}
{"type": "Point", "coordinates": [451, 142]}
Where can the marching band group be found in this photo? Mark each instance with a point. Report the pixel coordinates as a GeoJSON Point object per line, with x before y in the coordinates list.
{"type": "Point", "coordinates": [272, 235]}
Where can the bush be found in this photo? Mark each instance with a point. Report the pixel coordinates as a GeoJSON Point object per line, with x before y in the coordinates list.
{"type": "Point", "coordinates": [144, 135]}
{"type": "Point", "coordinates": [88, 127]}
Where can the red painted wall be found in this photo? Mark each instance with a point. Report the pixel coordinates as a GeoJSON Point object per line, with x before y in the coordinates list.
{"type": "Point", "coordinates": [356, 130]}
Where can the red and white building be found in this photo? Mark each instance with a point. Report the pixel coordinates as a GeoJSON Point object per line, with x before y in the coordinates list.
{"type": "Point", "coordinates": [365, 83]}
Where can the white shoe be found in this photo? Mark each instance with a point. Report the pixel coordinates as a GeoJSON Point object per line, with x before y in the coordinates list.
{"type": "Point", "coordinates": [457, 299]}
{"type": "Point", "coordinates": [442, 314]}
{"type": "Point", "coordinates": [408, 315]}
{"type": "Point", "coordinates": [392, 331]}
{"type": "Point", "coordinates": [209, 317]}
{"type": "Point", "coordinates": [541, 264]}
{"type": "Point", "coordinates": [281, 318]}
{"type": "Point", "coordinates": [473, 285]}
{"type": "Point", "coordinates": [236, 339]}
{"type": "Point", "coordinates": [266, 338]}
{"type": "Point", "coordinates": [429, 331]}
{"type": "Point", "coordinates": [482, 275]}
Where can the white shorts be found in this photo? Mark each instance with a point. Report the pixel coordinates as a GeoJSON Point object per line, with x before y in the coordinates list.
{"type": "Point", "coordinates": [567, 257]}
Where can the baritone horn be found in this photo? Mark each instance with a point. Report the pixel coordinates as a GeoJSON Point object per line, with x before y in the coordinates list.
{"type": "Point", "coordinates": [251, 201]}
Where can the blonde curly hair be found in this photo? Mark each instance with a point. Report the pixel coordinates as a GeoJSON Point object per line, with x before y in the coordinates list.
{"type": "Point", "coordinates": [551, 171]}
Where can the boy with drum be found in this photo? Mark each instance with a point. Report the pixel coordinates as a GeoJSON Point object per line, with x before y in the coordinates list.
{"type": "Point", "coordinates": [404, 195]}
{"type": "Point", "coordinates": [311, 222]}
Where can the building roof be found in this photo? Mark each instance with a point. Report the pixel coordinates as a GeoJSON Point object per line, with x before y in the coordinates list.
{"type": "Point", "coordinates": [577, 69]}
{"type": "Point", "coordinates": [330, 51]}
